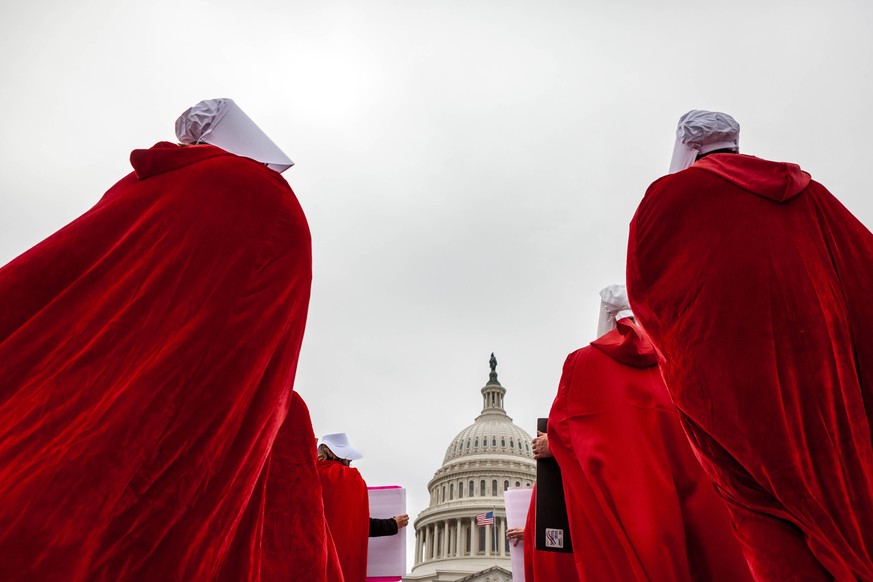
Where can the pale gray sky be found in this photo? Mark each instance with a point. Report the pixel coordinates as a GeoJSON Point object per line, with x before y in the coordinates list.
{"type": "Point", "coordinates": [468, 168]}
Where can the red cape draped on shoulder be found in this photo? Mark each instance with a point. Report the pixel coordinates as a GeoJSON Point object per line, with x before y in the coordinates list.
{"type": "Point", "coordinates": [347, 509]}
{"type": "Point", "coordinates": [147, 358]}
{"type": "Point", "coordinates": [754, 283]}
{"type": "Point", "coordinates": [540, 565]}
{"type": "Point", "coordinates": [639, 504]}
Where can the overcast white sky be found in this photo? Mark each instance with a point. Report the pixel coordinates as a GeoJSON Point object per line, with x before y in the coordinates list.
{"type": "Point", "coordinates": [468, 168]}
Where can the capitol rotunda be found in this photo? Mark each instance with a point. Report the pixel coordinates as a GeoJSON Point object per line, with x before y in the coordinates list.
{"type": "Point", "coordinates": [481, 462]}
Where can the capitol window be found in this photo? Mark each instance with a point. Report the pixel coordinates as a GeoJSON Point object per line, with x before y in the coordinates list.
{"type": "Point", "coordinates": [505, 485]}
{"type": "Point", "coordinates": [494, 488]}
{"type": "Point", "coordinates": [494, 442]}
{"type": "Point", "coordinates": [472, 488]}
{"type": "Point", "coordinates": [476, 443]}
{"type": "Point", "coordinates": [511, 444]}
{"type": "Point", "coordinates": [502, 442]}
{"type": "Point", "coordinates": [461, 490]}
{"type": "Point", "coordinates": [451, 491]}
{"type": "Point", "coordinates": [482, 488]}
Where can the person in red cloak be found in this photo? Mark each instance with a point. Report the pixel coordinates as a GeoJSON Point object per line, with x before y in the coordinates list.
{"type": "Point", "coordinates": [347, 506]}
{"type": "Point", "coordinates": [754, 283]}
{"type": "Point", "coordinates": [148, 425]}
{"type": "Point", "coordinates": [639, 505]}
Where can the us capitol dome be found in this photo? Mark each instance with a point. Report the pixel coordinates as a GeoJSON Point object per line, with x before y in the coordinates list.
{"type": "Point", "coordinates": [482, 461]}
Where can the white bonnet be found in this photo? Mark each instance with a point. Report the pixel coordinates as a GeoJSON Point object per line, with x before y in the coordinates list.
{"type": "Point", "coordinates": [339, 444]}
{"type": "Point", "coordinates": [700, 132]}
{"type": "Point", "coordinates": [221, 122]}
{"type": "Point", "coordinates": [614, 305]}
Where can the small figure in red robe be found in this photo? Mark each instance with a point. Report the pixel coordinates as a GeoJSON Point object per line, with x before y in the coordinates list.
{"type": "Point", "coordinates": [639, 504]}
{"type": "Point", "coordinates": [754, 283]}
{"type": "Point", "coordinates": [347, 506]}
{"type": "Point", "coordinates": [148, 425]}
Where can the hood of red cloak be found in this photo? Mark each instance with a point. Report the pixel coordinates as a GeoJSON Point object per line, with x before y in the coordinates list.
{"type": "Point", "coordinates": [778, 181]}
{"type": "Point", "coordinates": [628, 344]}
{"type": "Point", "coordinates": [165, 156]}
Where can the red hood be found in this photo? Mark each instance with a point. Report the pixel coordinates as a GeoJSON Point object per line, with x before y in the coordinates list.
{"type": "Point", "coordinates": [628, 344]}
{"type": "Point", "coordinates": [165, 156]}
{"type": "Point", "coordinates": [778, 181]}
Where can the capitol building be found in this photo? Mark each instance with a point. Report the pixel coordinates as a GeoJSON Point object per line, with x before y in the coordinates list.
{"type": "Point", "coordinates": [481, 462]}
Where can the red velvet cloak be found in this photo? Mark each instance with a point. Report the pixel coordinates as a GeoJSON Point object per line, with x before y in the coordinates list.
{"type": "Point", "coordinates": [347, 509]}
{"type": "Point", "coordinates": [147, 357]}
{"type": "Point", "coordinates": [639, 504]}
{"type": "Point", "coordinates": [754, 283]}
{"type": "Point", "coordinates": [540, 565]}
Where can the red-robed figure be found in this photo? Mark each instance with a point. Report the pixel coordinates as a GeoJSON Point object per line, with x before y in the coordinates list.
{"type": "Point", "coordinates": [347, 507]}
{"type": "Point", "coordinates": [148, 425]}
{"type": "Point", "coordinates": [639, 504]}
{"type": "Point", "coordinates": [346, 504]}
{"type": "Point", "coordinates": [754, 283]}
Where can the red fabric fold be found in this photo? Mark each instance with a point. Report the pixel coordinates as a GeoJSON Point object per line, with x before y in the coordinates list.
{"type": "Point", "coordinates": [776, 181]}
{"type": "Point", "coordinates": [628, 345]}
{"type": "Point", "coordinates": [760, 305]}
{"type": "Point", "coordinates": [147, 357]}
{"type": "Point", "coordinates": [639, 504]}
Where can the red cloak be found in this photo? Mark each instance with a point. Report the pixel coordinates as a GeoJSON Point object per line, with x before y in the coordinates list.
{"type": "Point", "coordinates": [347, 509]}
{"type": "Point", "coordinates": [541, 565]}
{"type": "Point", "coordinates": [754, 283]}
{"type": "Point", "coordinates": [147, 358]}
{"type": "Point", "coordinates": [639, 504]}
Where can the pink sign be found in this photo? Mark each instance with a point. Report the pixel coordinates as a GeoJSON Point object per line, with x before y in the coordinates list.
{"type": "Point", "coordinates": [386, 556]}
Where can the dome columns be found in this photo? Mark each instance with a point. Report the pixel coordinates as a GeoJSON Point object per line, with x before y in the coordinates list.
{"type": "Point", "coordinates": [461, 537]}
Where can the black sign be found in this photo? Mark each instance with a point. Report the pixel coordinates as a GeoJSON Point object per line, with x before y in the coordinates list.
{"type": "Point", "coordinates": [553, 526]}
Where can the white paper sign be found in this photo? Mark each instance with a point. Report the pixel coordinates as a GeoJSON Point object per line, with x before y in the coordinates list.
{"type": "Point", "coordinates": [386, 556]}
{"type": "Point", "coordinates": [517, 504]}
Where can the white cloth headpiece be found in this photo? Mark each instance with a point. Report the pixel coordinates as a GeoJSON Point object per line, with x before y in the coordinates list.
{"type": "Point", "coordinates": [339, 444]}
{"type": "Point", "coordinates": [221, 122]}
{"type": "Point", "coordinates": [613, 306]}
{"type": "Point", "coordinates": [701, 132]}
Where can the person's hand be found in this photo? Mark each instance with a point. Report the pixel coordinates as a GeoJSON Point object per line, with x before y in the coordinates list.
{"type": "Point", "coordinates": [515, 535]}
{"type": "Point", "coordinates": [402, 521]}
{"type": "Point", "coordinates": [540, 446]}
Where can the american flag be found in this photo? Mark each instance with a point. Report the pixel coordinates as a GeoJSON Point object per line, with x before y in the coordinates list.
{"type": "Point", "coordinates": [485, 518]}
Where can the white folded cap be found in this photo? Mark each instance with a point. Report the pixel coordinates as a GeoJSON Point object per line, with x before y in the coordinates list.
{"type": "Point", "coordinates": [339, 444]}
{"type": "Point", "coordinates": [701, 132]}
{"type": "Point", "coordinates": [614, 305]}
{"type": "Point", "coordinates": [221, 122]}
